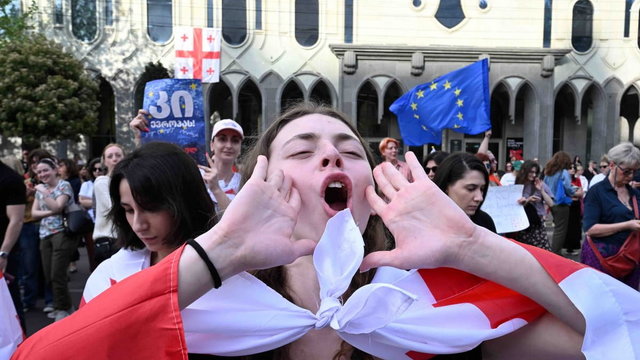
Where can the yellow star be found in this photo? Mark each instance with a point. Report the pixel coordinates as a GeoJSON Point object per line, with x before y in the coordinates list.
{"type": "Point", "coordinates": [416, 116]}
{"type": "Point", "coordinates": [425, 128]}
{"type": "Point", "coordinates": [447, 85]}
{"type": "Point", "coordinates": [161, 131]}
{"type": "Point", "coordinates": [184, 128]}
{"type": "Point", "coordinates": [459, 116]}
{"type": "Point", "coordinates": [182, 106]}
{"type": "Point", "coordinates": [193, 86]}
{"type": "Point", "coordinates": [460, 102]}
{"type": "Point", "coordinates": [457, 91]}
{"type": "Point", "coordinates": [420, 93]}
{"type": "Point", "coordinates": [433, 86]}
{"type": "Point", "coordinates": [456, 126]}
{"type": "Point", "coordinates": [150, 93]}
{"type": "Point", "coordinates": [414, 106]}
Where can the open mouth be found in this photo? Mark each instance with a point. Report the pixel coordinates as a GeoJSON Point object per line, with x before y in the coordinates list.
{"type": "Point", "coordinates": [336, 195]}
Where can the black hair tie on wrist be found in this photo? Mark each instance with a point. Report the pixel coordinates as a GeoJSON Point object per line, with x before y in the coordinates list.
{"type": "Point", "coordinates": [203, 255]}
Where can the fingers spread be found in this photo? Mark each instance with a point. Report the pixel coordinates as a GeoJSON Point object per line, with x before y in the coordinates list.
{"type": "Point", "coordinates": [209, 159]}
{"type": "Point", "coordinates": [417, 171]}
{"type": "Point", "coordinates": [260, 170]}
{"type": "Point", "coordinates": [377, 259]}
{"type": "Point", "coordinates": [276, 179]}
{"type": "Point", "coordinates": [383, 182]}
{"type": "Point", "coordinates": [285, 188]}
{"type": "Point", "coordinates": [376, 202]}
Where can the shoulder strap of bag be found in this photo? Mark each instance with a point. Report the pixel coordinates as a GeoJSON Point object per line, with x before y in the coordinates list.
{"type": "Point", "coordinates": [635, 206]}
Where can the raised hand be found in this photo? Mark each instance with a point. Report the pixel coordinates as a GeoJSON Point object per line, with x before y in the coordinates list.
{"type": "Point", "coordinates": [427, 225]}
{"type": "Point", "coordinates": [210, 175]}
{"type": "Point", "coordinates": [139, 124]}
{"type": "Point", "coordinates": [257, 227]}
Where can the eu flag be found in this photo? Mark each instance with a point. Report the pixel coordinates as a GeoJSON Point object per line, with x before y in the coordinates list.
{"type": "Point", "coordinates": [458, 100]}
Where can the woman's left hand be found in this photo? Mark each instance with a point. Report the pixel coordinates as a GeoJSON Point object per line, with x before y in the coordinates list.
{"type": "Point", "coordinates": [429, 228]}
{"type": "Point", "coordinates": [42, 189]}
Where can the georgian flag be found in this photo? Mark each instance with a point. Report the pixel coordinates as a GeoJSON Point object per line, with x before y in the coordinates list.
{"type": "Point", "coordinates": [197, 54]}
{"type": "Point", "coordinates": [400, 315]}
{"type": "Point", "coordinates": [10, 331]}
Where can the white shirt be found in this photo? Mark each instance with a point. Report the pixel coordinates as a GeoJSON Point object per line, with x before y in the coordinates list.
{"type": "Point", "coordinates": [508, 179]}
{"type": "Point", "coordinates": [596, 179]}
{"type": "Point", "coordinates": [103, 227]}
{"type": "Point", "coordinates": [86, 190]}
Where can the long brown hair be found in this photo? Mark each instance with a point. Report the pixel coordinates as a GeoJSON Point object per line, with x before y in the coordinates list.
{"type": "Point", "coordinates": [560, 161]}
{"type": "Point", "coordinates": [523, 175]}
{"type": "Point", "coordinates": [374, 238]}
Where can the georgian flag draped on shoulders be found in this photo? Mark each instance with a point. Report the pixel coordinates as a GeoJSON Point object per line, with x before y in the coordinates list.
{"type": "Point", "coordinates": [400, 315]}
{"type": "Point", "coordinates": [10, 330]}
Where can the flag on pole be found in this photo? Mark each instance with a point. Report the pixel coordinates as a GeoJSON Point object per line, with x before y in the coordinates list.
{"type": "Point", "coordinates": [458, 100]}
{"type": "Point", "coordinates": [197, 54]}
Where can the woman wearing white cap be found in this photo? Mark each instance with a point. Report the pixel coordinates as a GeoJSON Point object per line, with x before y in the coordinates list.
{"type": "Point", "coordinates": [221, 177]}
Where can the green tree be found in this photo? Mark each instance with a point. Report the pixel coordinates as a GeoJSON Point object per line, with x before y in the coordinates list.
{"type": "Point", "coordinates": [45, 93]}
{"type": "Point", "coordinates": [14, 21]}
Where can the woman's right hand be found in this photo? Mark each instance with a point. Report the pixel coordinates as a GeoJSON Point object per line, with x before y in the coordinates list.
{"type": "Point", "coordinates": [430, 230]}
{"type": "Point", "coordinates": [256, 230]}
{"type": "Point", "coordinates": [139, 123]}
{"type": "Point", "coordinates": [633, 225]}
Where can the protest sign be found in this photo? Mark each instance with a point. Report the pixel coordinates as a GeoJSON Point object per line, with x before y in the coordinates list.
{"type": "Point", "coordinates": [502, 204]}
{"type": "Point", "coordinates": [176, 115]}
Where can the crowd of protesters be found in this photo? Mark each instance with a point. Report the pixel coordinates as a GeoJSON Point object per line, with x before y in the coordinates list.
{"type": "Point", "coordinates": [599, 202]}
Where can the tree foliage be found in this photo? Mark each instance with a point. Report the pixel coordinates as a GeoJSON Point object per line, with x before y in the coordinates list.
{"type": "Point", "coordinates": [45, 93]}
{"type": "Point", "coordinates": [14, 21]}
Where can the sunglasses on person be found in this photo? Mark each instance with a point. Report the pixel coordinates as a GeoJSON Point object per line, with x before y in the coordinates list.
{"type": "Point", "coordinates": [430, 169]}
{"type": "Point", "coordinates": [97, 169]}
{"type": "Point", "coordinates": [604, 166]}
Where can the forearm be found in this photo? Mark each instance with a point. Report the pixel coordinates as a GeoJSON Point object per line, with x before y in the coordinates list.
{"type": "Point", "coordinates": [53, 205]}
{"type": "Point", "coordinates": [11, 235]}
{"type": "Point", "coordinates": [484, 145]}
{"type": "Point", "coordinates": [547, 199]}
{"type": "Point", "coordinates": [86, 202]}
{"type": "Point", "coordinates": [602, 230]}
{"type": "Point", "coordinates": [194, 279]}
{"type": "Point", "coordinates": [40, 214]}
{"type": "Point", "coordinates": [492, 257]}
{"type": "Point", "coordinates": [222, 199]}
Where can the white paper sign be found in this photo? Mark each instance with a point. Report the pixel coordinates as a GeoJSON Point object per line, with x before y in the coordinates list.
{"type": "Point", "coordinates": [502, 204]}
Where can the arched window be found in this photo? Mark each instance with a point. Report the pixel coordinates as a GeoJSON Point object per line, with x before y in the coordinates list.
{"type": "Point", "coordinates": [367, 116]}
{"type": "Point", "coordinates": [321, 94]}
{"type": "Point", "coordinates": [83, 19]}
{"type": "Point", "coordinates": [108, 12]}
{"type": "Point", "coordinates": [159, 20]}
{"type": "Point", "coordinates": [450, 13]}
{"type": "Point", "coordinates": [258, 14]}
{"type": "Point", "coordinates": [290, 95]}
{"type": "Point", "coordinates": [249, 108]}
{"type": "Point", "coordinates": [57, 10]}
{"type": "Point", "coordinates": [307, 22]}
{"type": "Point", "coordinates": [209, 13]}
{"type": "Point", "coordinates": [582, 26]}
{"type": "Point", "coordinates": [234, 21]}
{"type": "Point", "coordinates": [348, 21]}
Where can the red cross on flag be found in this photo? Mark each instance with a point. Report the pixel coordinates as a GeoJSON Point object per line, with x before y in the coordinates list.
{"type": "Point", "coordinates": [197, 54]}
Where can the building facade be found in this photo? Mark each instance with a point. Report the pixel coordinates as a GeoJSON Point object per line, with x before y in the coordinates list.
{"type": "Point", "coordinates": [563, 74]}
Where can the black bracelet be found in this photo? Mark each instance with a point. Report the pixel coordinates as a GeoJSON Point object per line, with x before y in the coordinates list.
{"type": "Point", "coordinates": [203, 255]}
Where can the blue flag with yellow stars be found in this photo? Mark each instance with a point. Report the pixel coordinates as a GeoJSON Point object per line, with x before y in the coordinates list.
{"type": "Point", "coordinates": [458, 100]}
{"type": "Point", "coordinates": [176, 115]}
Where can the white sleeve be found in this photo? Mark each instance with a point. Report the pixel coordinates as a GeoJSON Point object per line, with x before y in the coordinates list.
{"type": "Point", "coordinates": [98, 281]}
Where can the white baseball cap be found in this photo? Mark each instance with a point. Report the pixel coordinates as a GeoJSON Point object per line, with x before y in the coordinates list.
{"type": "Point", "coordinates": [226, 124]}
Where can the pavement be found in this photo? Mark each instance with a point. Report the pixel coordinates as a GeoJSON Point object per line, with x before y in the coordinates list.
{"type": "Point", "coordinates": [36, 319]}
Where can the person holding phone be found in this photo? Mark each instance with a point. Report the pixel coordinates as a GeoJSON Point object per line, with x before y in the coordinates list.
{"type": "Point", "coordinates": [535, 194]}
